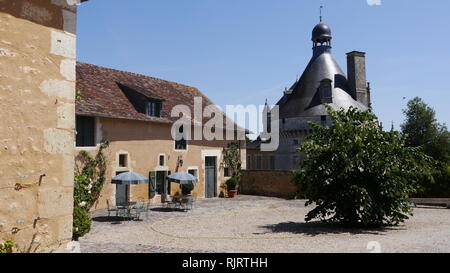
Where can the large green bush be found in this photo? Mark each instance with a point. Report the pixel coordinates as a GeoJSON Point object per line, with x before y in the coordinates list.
{"type": "Point", "coordinates": [81, 222]}
{"type": "Point", "coordinates": [357, 174]}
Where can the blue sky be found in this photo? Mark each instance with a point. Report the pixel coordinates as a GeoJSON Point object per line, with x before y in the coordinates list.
{"type": "Point", "coordinates": [244, 51]}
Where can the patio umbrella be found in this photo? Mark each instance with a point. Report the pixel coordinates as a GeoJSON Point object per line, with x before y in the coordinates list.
{"type": "Point", "coordinates": [129, 178]}
{"type": "Point", "coordinates": [182, 178]}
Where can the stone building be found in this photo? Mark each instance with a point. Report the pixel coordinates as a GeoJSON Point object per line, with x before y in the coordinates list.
{"type": "Point", "coordinates": [37, 122]}
{"type": "Point", "coordinates": [322, 82]}
{"type": "Point", "coordinates": [133, 113]}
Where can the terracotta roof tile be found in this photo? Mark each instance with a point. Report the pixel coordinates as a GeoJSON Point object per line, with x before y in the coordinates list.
{"type": "Point", "coordinates": [103, 95]}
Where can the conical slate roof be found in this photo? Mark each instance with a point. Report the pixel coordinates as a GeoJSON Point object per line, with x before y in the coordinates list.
{"type": "Point", "coordinates": [304, 100]}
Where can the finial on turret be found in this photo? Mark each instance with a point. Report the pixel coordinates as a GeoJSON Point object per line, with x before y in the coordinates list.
{"type": "Point", "coordinates": [321, 7]}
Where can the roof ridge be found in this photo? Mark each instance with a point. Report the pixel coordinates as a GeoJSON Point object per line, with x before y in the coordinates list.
{"type": "Point", "coordinates": [137, 74]}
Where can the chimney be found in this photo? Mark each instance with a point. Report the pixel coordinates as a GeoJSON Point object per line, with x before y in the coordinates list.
{"type": "Point", "coordinates": [356, 70]}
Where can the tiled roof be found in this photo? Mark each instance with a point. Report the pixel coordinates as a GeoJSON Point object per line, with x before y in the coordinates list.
{"type": "Point", "coordinates": [103, 94]}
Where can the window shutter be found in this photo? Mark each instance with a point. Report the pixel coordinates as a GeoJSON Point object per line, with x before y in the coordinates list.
{"type": "Point", "coordinates": [152, 184]}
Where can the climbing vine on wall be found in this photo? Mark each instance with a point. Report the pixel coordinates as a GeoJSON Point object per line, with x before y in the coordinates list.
{"type": "Point", "coordinates": [89, 177]}
{"type": "Point", "coordinates": [232, 160]}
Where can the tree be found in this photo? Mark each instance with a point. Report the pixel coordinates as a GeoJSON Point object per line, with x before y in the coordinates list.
{"type": "Point", "coordinates": [421, 129]}
{"type": "Point", "coordinates": [356, 173]}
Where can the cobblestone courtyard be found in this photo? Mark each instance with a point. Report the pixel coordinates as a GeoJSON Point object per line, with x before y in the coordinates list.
{"type": "Point", "coordinates": [259, 224]}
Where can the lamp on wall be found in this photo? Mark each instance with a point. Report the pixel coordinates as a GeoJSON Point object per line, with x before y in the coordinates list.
{"type": "Point", "coordinates": [180, 161]}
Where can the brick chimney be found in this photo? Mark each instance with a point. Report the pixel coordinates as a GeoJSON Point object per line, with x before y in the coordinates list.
{"type": "Point", "coordinates": [356, 72]}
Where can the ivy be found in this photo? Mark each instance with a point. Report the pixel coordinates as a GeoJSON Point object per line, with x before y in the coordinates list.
{"type": "Point", "coordinates": [232, 160]}
{"type": "Point", "coordinates": [90, 176]}
{"type": "Point", "coordinates": [78, 94]}
{"type": "Point", "coordinates": [7, 247]}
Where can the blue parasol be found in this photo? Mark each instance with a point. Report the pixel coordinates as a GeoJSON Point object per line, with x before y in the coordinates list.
{"type": "Point", "coordinates": [129, 178]}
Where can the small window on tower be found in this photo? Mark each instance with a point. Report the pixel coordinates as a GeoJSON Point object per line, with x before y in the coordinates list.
{"type": "Point", "coordinates": [161, 160]}
{"type": "Point", "coordinates": [325, 93]}
{"type": "Point", "coordinates": [272, 162]}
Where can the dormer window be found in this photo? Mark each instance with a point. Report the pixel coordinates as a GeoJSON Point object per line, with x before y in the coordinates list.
{"type": "Point", "coordinates": [153, 109]}
{"type": "Point", "coordinates": [325, 92]}
{"type": "Point", "coordinates": [180, 142]}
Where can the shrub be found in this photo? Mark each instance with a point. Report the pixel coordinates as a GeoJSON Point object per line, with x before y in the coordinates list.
{"type": "Point", "coordinates": [7, 247]}
{"type": "Point", "coordinates": [231, 184]}
{"type": "Point", "coordinates": [187, 188]}
{"type": "Point", "coordinates": [232, 160]}
{"type": "Point", "coordinates": [81, 222]}
{"type": "Point", "coordinates": [356, 173]}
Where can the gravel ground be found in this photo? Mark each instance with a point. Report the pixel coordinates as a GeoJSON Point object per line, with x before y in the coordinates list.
{"type": "Point", "coordinates": [259, 224]}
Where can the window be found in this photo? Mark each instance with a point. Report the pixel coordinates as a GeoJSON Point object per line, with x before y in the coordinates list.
{"type": "Point", "coordinates": [85, 131]}
{"type": "Point", "coordinates": [193, 172]}
{"type": "Point", "coordinates": [325, 91]}
{"type": "Point", "coordinates": [258, 162]}
{"type": "Point", "coordinates": [226, 172]}
{"type": "Point", "coordinates": [153, 109]}
{"type": "Point", "coordinates": [249, 161]}
{"type": "Point", "coordinates": [296, 142]}
{"type": "Point", "coordinates": [272, 162]}
{"type": "Point", "coordinates": [161, 160]}
{"type": "Point", "coordinates": [182, 143]}
{"type": "Point", "coordinates": [123, 158]}
{"type": "Point", "coordinates": [295, 161]}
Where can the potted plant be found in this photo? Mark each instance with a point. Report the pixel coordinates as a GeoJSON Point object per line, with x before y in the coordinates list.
{"type": "Point", "coordinates": [186, 189]}
{"type": "Point", "coordinates": [231, 187]}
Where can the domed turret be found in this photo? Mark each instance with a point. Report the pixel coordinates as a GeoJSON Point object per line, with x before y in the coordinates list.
{"type": "Point", "coordinates": [323, 81]}
{"type": "Point", "coordinates": [321, 33]}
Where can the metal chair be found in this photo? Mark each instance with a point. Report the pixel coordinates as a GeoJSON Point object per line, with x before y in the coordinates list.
{"type": "Point", "coordinates": [138, 208]}
{"type": "Point", "coordinates": [187, 202]}
{"type": "Point", "coordinates": [111, 209]}
{"type": "Point", "coordinates": [146, 209]}
{"type": "Point", "coordinates": [122, 212]}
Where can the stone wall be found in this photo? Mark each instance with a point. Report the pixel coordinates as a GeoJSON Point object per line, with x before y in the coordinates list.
{"type": "Point", "coordinates": [37, 121]}
{"type": "Point", "coordinates": [276, 183]}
